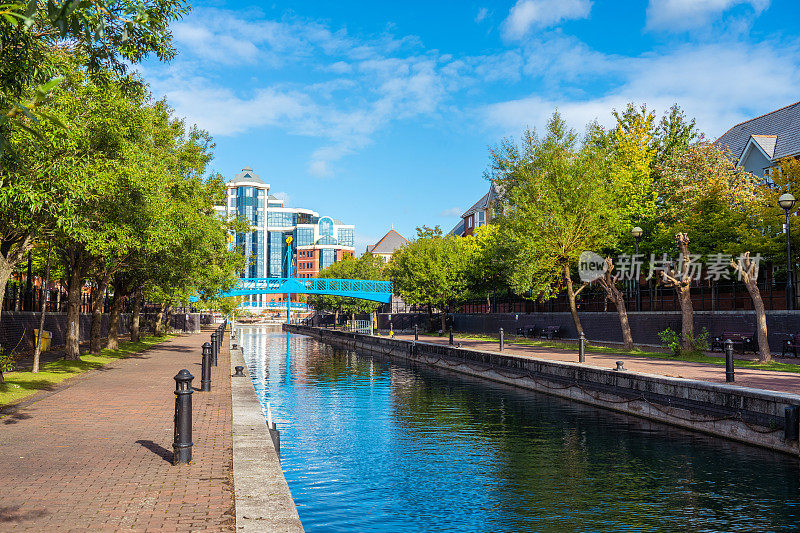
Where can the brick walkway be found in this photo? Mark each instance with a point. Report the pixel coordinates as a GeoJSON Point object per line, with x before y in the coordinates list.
{"type": "Point", "coordinates": [759, 379]}
{"type": "Point", "coordinates": [96, 455]}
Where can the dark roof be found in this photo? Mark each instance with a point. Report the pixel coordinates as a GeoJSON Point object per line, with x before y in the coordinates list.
{"type": "Point", "coordinates": [247, 174]}
{"type": "Point", "coordinates": [458, 231]}
{"type": "Point", "coordinates": [483, 203]}
{"type": "Point", "coordinates": [390, 243]}
{"type": "Point", "coordinates": [783, 123]}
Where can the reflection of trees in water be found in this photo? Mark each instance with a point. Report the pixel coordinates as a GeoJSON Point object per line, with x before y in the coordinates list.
{"type": "Point", "coordinates": [566, 466]}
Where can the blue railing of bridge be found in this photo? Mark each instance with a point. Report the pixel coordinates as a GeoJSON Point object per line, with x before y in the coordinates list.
{"type": "Point", "coordinates": [275, 305]}
{"type": "Point", "coordinates": [366, 289]}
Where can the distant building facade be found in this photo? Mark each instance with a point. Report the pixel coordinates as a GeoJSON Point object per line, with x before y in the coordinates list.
{"type": "Point", "coordinates": [761, 143]}
{"type": "Point", "coordinates": [478, 215]}
{"type": "Point", "coordinates": [316, 241]}
{"type": "Point", "coordinates": [388, 245]}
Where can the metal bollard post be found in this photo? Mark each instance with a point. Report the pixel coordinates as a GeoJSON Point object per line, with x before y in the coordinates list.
{"type": "Point", "coordinates": [501, 339]}
{"type": "Point", "coordinates": [182, 440]}
{"type": "Point", "coordinates": [416, 332]}
{"type": "Point", "coordinates": [451, 335]}
{"type": "Point", "coordinates": [205, 377]}
{"type": "Point", "coordinates": [239, 371]}
{"type": "Point", "coordinates": [729, 361]}
{"type": "Point", "coordinates": [214, 348]}
{"type": "Point", "coordinates": [582, 348]}
{"type": "Point", "coordinates": [791, 428]}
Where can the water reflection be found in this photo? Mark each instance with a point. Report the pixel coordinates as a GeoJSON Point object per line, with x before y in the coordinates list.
{"type": "Point", "coordinates": [375, 444]}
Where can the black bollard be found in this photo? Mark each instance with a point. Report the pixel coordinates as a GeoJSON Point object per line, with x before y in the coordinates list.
{"type": "Point", "coordinates": [791, 428]}
{"type": "Point", "coordinates": [451, 335]}
{"type": "Point", "coordinates": [582, 348]}
{"type": "Point", "coordinates": [182, 440]}
{"type": "Point", "coordinates": [239, 371]}
{"type": "Point", "coordinates": [729, 361]}
{"type": "Point", "coordinates": [205, 378]}
{"type": "Point", "coordinates": [501, 339]}
{"type": "Point", "coordinates": [416, 332]}
{"type": "Point", "coordinates": [214, 348]}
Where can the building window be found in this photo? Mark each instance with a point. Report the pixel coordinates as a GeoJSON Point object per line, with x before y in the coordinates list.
{"type": "Point", "coordinates": [346, 236]}
{"type": "Point", "coordinates": [469, 221]}
{"type": "Point", "coordinates": [304, 236]}
{"type": "Point", "coordinates": [276, 247]}
{"type": "Point", "coordinates": [325, 227]}
{"type": "Point", "coordinates": [328, 257]}
{"type": "Point", "coordinates": [481, 218]}
{"type": "Point", "coordinates": [280, 220]}
{"type": "Point", "coordinates": [326, 240]}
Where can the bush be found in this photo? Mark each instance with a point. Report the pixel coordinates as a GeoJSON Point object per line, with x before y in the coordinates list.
{"type": "Point", "coordinates": [672, 340]}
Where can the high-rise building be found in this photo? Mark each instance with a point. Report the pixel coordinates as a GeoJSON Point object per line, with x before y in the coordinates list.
{"type": "Point", "coordinates": [316, 241]}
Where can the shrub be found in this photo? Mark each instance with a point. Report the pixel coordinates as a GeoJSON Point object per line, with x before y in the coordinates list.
{"type": "Point", "coordinates": [672, 340]}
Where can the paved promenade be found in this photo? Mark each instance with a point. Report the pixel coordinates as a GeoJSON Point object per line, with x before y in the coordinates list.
{"type": "Point", "coordinates": [96, 456]}
{"type": "Point", "coordinates": [760, 379]}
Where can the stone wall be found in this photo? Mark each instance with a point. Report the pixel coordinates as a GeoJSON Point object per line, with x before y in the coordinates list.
{"type": "Point", "coordinates": [605, 327]}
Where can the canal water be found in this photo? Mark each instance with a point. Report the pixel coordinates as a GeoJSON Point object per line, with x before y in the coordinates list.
{"type": "Point", "coordinates": [376, 444]}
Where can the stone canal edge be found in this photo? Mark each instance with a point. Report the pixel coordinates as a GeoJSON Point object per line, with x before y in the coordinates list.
{"type": "Point", "coordinates": [763, 418]}
{"type": "Point", "coordinates": [263, 500]}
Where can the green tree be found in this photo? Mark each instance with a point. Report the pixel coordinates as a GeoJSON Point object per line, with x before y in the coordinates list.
{"type": "Point", "coordinates": [367, 266]}
{"type": "Point", "coordinates": [431, 270]}
{"type": "Point", "coordinates": [556, 203]}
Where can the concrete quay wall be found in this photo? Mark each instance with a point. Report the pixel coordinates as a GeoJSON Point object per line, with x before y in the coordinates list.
{"type": "Point", "coordinates": [263, 500]}
{"type": "Point", "coordinates": [748, 415]}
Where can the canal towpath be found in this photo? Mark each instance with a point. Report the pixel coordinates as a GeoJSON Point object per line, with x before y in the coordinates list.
{"type": "Point", "coordinates": [746, 377]}
{"type": "Point", "coordinates": [96, 455]}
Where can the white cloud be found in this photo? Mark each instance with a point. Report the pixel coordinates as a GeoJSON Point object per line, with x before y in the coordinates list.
{"type": "Point", "coordinates": [452, 212]}
{"type": "Point", "coordinates": [482, 14]}
{"type": "Point", "coordinates": [528, 14]}
{"type": "Point", "coordinates": [679, 15]}
{"type": "Point", "coordinates": [717, 84]}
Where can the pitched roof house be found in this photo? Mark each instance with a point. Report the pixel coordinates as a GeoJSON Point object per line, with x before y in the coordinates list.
{"type": "Point", "coordinates": [389, 244]}
{"type": "Point", "coordinates": [760, 143]}
{"type": "Point", "coordinates": [478, 215]}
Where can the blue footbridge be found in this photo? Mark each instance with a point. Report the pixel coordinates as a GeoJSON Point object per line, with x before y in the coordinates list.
{"type": "Point", "coordinates": [365, 289]}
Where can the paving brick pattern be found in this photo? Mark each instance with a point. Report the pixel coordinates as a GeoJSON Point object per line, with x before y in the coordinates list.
{"type": "Point", "coordinates": [759, 379]}
{"type": "Point", "coordinates": [96, 456]}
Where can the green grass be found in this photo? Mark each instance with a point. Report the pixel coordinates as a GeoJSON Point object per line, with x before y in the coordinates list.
{"type": "Point", "coordinates": [697, 358]}
{"type": "Point", "coordinates": [21, 384]}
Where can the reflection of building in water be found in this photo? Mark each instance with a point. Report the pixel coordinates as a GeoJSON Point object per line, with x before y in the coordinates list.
{"type": "Point", "coordinates": [316, 241]}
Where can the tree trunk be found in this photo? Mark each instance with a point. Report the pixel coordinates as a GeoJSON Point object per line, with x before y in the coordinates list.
{"type": "Point", "coordinates": [73, 314]}
{"type": "Point", "coordinates": [571, 294]}
{"type": "Point", "coordinates": [609, 284]}
{"type": "Point", "coordinates": [113, 320]}
{"type": "Point", "coordinates": [38, 350]}
{"type": "Point", "coordinates": [98, 305]}
{"type": "Point", "coordinates": [687, 315]}
{"type": "Point", "coordinates": [764, 354]}
{"type": "Point", "coordinates": [444, 321]}
{"type": "Point", "coordinates": [137, 314]}
{"type": "Point", "coordinates": [167, 319]}
{"type": "Point", "coordinates": [159, 319]}
{"type": "Point", "coordinates": [749, 271]}
{"type": "Point", "coordinates": [14, 253]}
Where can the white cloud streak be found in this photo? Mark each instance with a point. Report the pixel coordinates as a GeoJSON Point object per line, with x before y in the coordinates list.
{"type": "Point", "coordinates": [529, 14]}
{"type": "Point", "coordinates": [681, 15]}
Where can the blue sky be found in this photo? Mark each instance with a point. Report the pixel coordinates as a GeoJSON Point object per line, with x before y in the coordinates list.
{"type": "Point", "coordinates": [381, 113]}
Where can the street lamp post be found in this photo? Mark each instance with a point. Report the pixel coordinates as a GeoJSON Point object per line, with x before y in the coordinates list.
{"type": "Point", "coordinates": [637, 234]}
{"type": "Point", "coordinates": [787, 201]}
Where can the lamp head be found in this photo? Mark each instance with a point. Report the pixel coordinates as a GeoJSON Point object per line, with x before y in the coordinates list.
{"type": "Point", "coordinates": [637, 232]}
{"type": "Point", "coordinates": [786, 201]}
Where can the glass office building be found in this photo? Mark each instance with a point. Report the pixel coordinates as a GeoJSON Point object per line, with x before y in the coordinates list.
{"type": "Point", "coordinates": [317, 241]}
